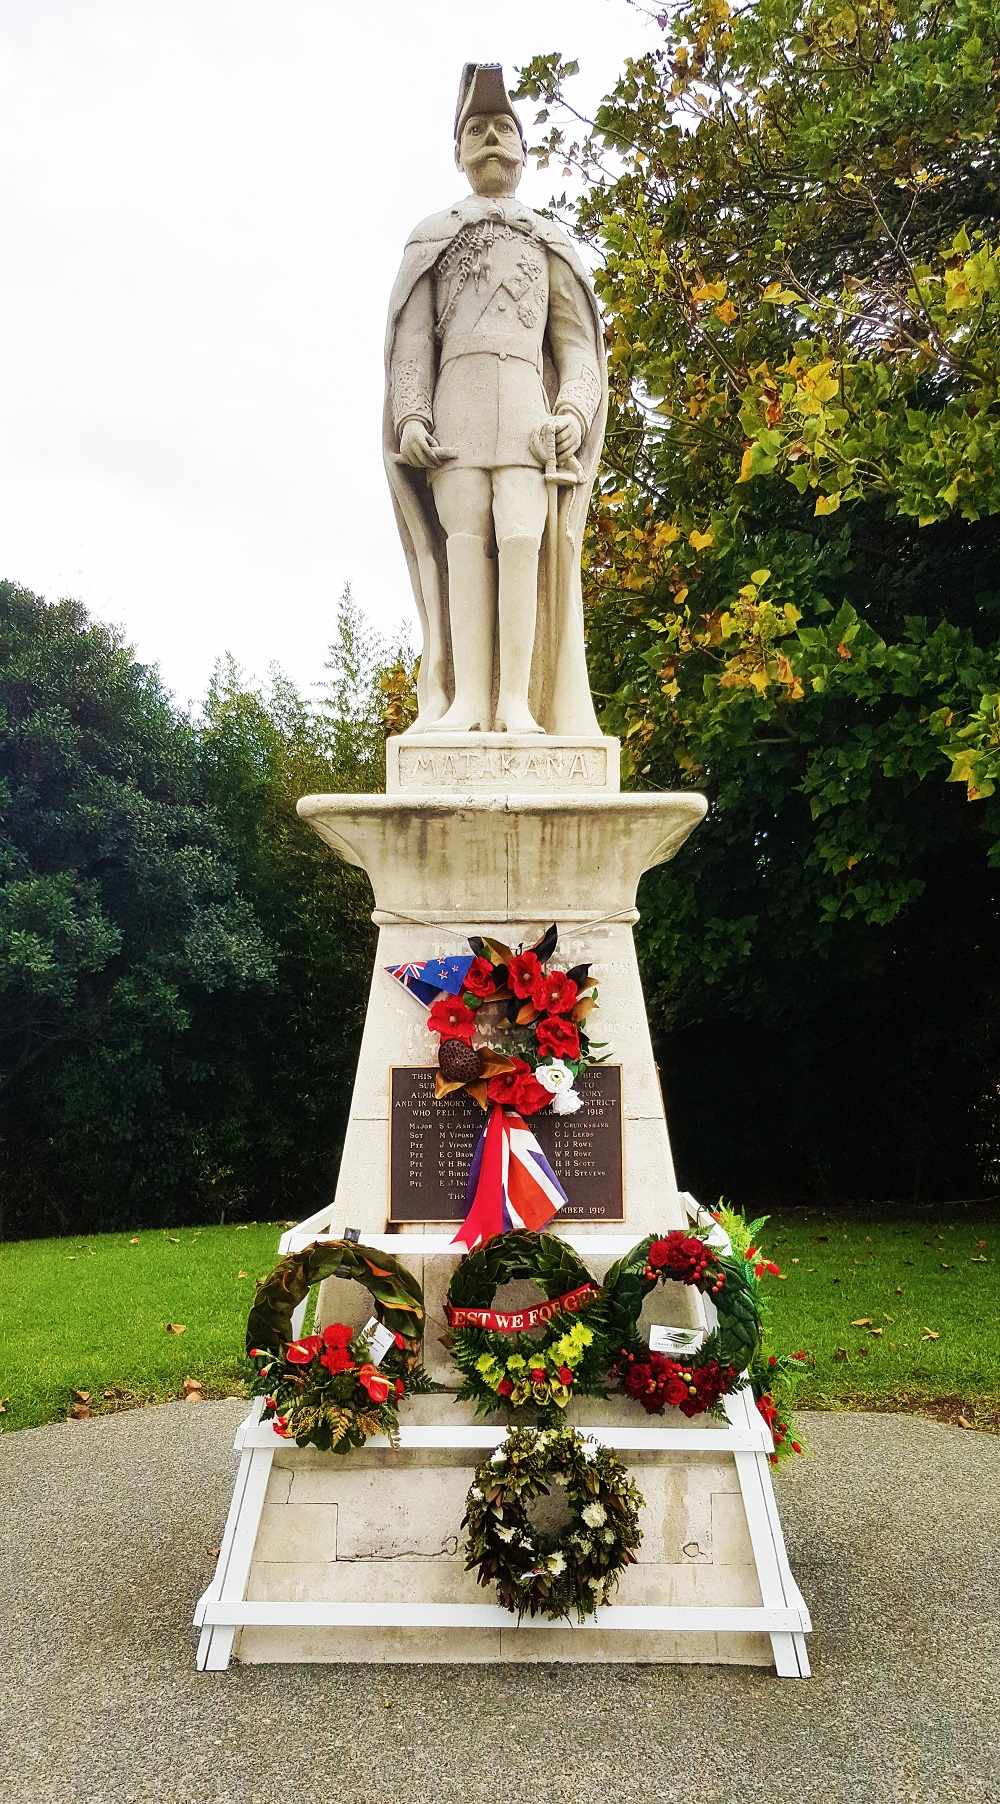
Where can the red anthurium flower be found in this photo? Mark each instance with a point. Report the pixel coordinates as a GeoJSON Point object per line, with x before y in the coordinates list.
{"type": "Point", "coordinates": [336, 1359]}
{"type": "Point", "coordinates": [337, 1334]}
{"type": "Point", "coordinates": [564, 1375]}
{"type": "Point", "coordinates": [302, 1352]}
{"type": "Point", "coordinates": [557, 1038]}
{"type": "Point", "coordinates": [375, 1382]}
{"type": "Point", "coordinates": [505, 1387]}
{"type": "Point", "coordinates": [521, 973]}
{"type": "Point", "coordinates": [450, 1018]}
{"type": "Point", "coordinates": [553, 993]}
{"type": "Point", "coordinates": [400, 1387]}
{"type": "Point", "coordinates": [530, 1097]}
{"type": "Point", "coordinates": [501, 1089]}
{"type": "Point", "coordinates": [480, 978]}
{"type": "Point", "coordinates": [400, 1339]}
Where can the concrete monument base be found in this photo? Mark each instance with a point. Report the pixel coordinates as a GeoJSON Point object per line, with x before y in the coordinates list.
{"type": "Point", "coordinates": [342, 1550]}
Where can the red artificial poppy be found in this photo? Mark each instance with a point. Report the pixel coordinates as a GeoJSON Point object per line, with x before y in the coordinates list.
{"type": "Point", "coordinates": [450, 1018]}
{"type": "Point", "coordinates": [557, 1038]}
{"type": "Point", "coordinates": [564, 1375]}
{"type": "Point", "coordinates": [375, 1383]}
{"type": "Point", "coordinates": [337, 1334]}
{"type": "Point", "coordinates": [522, 972]}
{"type": "Point", "coordinates": [554, 993]}
{"type": "Point", "coordinates": [501, 1088]}
{"type": "Point", "coordinates": [336, 1359]}
{"type": "Point", "coordinates": [530, 1097]}
{"type": "Point", "coordinates": [302, 1352]}
{"type": "Point", "coordinates": [505, 1387]}
{"type": "Point", "coordinates": [480, 978]}
{"type": "Point", "coordinates": [537, 1374]}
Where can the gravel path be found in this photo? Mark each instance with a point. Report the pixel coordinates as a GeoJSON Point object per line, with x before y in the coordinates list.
{"type": "Point", "coordinates": [893, 1529]}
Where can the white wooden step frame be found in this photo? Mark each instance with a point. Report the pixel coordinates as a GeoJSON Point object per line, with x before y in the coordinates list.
{"type": "Point", "coordinates": [782, 1614]}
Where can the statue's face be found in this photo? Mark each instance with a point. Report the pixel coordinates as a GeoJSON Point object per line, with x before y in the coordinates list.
{"type": "Point", "coordinates": [490, 152]}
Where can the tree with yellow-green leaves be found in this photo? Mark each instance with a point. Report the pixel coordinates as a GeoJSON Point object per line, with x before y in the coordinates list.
{"type": "Point", "coordinates": [792, 573]}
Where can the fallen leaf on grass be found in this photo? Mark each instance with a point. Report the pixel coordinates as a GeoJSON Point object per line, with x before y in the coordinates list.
{"type": "Point", "coordinates": [863, 1321]}
{"type": "Point", "coordinates": [841, 1353]}
{"type": "Point", "coordinates": [876, 1332]}
{"type": "Point", "coordinates": [134, 1242]}
{"type": "Point", "coordinates": [79, 1412]}
{"type": "Point", "coordinates": [899, 1290]}
{"type": "Point", "coordinates": [243, 1274]}
{"type": "Point", "coordinates": [175, 1327]}
{"type": "Point", "coordinates": [174, 1239]}
{"type": "Point", "coordinates": [979, 1259]}
{"type": "Point", "coordinates": [3, 1406]}
{"type": "Point", "coordinates": [963, 1422]}
{"type": "Point", "coordinates": [82, 1396]}
{"type": "Point", "coordinates": [945, 1267]}
{"type": "Point", "coordinates": [930, 1334]}
{"type": "Point", "coordinates": [194, 1390]}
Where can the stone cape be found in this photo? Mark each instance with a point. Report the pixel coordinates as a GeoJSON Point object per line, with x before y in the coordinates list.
{"type": "Point", "coordinates": [560, 692]}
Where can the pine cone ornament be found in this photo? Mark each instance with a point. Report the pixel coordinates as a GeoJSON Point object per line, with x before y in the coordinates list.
{"type": "Point", "coordinates": [459, 1062]}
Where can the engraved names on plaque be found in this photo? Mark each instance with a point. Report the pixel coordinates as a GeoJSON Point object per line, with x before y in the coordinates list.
{"type": "Point", "coordinates": [431, 1146]}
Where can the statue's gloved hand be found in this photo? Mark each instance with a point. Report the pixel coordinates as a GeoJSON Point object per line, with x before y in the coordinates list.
{"type": "Point", "coordinates": [420, 449]}
{"type": "Point", "coordinates": [569, 433]}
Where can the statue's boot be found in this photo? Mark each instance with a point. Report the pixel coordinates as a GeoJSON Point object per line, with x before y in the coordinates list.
{"type": "Point", "coordinates": [518, 610]}
{"type": "Point", "coordinates": [472, 612]}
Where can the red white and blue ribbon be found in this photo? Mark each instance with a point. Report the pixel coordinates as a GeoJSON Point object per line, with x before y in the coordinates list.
{"type": "Point", "coordinates": [510, 1183]}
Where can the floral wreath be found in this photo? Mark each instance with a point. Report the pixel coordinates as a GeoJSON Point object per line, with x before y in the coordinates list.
{"type": "Point", "coordinates": [551, 1575]}
{"type": "Point", "coordinates": [698, 1381]}
{"type": "Point", "coordinates": [333, 1389]}
{"type": "Point", "coordinates": [545, 1043]}
{"type": "Point", "coordinates": [502, 1362]}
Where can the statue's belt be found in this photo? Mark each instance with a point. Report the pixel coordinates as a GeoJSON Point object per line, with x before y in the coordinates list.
{"type": "Point", "coordinates": [489, 345]}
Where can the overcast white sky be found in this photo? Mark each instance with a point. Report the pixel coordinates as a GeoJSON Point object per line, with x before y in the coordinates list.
{"type": "Point", "coordinates": [202, 208]}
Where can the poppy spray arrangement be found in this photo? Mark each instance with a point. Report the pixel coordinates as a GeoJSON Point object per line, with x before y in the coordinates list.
{"type": "Point", "coordinates": [529, 1018]}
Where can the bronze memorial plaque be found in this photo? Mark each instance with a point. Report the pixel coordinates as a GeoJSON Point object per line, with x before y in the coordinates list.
{"type": "Point", "coordinates": [431, 1144]}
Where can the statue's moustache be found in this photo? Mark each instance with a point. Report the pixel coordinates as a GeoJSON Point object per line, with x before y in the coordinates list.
{"type": "Point", "coordinates": [493, 150]}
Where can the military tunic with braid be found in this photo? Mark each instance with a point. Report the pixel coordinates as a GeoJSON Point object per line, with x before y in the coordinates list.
{"type": "Point", "coordinates": [467, 357]}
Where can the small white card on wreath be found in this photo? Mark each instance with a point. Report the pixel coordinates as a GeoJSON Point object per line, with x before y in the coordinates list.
{"type": "Point", "coordinates": [674, 1341]}
{"type": "Point", "coordinates": [380, 1339]}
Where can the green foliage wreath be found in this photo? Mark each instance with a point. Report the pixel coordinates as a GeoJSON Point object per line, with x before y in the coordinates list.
{"type": "Point", "coordinates": [332, 1389]}
{"type": "Point", "coordinates": [515, 1369]}
{"type": "Point", "coordinates": [695, 1382]}
{"type": "Point", "coordinates": [552, 1575]}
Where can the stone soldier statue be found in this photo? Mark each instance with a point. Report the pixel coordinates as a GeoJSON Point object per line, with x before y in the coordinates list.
{"type": "Point", "coordinates": [496, 400]}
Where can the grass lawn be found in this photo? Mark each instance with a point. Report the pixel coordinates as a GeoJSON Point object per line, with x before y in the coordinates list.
{"type": "Point", "coordinates": [90, 1314]}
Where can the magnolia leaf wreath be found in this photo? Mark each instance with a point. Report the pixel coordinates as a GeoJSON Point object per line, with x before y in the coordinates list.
{"type": "Point", "coordinates": [503, 1362]}
{"type": "Point", "coordinates": [333, 1389]}
{"type": "Point", "coordinates": [692, 1382]}
{"type": "Point", "coordinates": [570, 1573]}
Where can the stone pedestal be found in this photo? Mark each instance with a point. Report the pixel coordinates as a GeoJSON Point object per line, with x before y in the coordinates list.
{"type": "Point", "coordinates": [456, 848]}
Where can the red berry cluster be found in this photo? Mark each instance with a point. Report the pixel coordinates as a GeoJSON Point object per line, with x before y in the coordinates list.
{"type": "Point", "coordinates": [684, 1257]}
{"type": "Point", "coordinates": [658, 1383]}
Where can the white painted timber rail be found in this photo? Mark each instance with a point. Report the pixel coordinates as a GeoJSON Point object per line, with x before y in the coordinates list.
{"type": "Point", "coordinates": [739, 1439]}
{"type": "Point", "coordinates": [719, 1618]}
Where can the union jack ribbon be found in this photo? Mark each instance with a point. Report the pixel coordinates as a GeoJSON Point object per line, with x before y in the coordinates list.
{"type": "Point", "coordinates": [510, 1183]}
